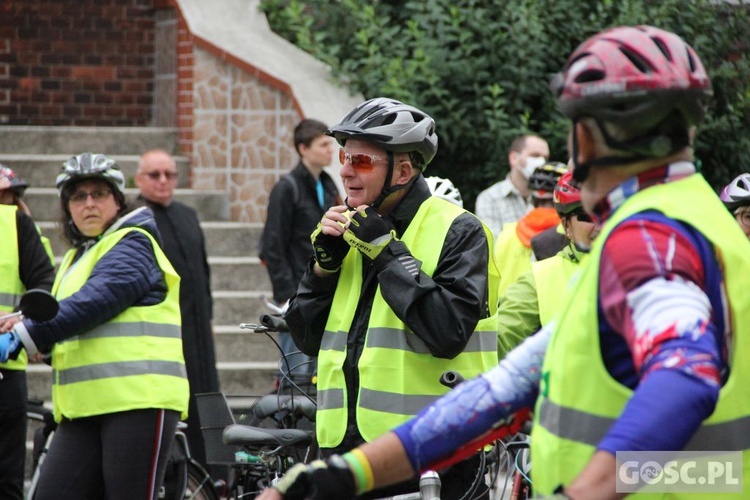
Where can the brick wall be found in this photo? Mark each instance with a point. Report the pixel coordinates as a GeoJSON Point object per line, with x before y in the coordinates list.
{"type": "Point", "coordinates": [77, 62]}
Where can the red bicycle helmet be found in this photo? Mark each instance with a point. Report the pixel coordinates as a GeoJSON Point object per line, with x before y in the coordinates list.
{"type": "Point", "coordinates": [567, 197]}
{"type": "Point", "coordinates": [12, 181]}
{"type": "Point", "coordinates": [641, 80]}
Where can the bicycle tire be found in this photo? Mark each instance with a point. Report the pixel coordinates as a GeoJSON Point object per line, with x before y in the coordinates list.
{"type": "Point", "coordinates": [199, 484]}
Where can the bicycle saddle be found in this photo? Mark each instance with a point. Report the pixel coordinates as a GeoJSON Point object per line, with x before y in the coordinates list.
{"type": "Point", "coordinates": [255, 437]}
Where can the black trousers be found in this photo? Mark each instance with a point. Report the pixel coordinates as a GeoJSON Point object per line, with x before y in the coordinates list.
{"type": "Point", "coordinates": [13, 395]}
{"type": "Point", "coordinates": [114, 456]}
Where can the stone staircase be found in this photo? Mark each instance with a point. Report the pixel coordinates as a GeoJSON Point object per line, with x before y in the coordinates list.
{"type": "Point", "coordinates": [246, 362]}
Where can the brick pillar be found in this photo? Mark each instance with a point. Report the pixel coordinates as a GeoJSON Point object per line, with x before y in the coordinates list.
{"type": "Point", "coordinates": [4, 78]}
{"type": "Point", "coordinates": [185, 61]}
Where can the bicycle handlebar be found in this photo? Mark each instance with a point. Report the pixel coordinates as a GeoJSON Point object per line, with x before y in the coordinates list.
{"type": "Point", "coordinates": [274, 323]}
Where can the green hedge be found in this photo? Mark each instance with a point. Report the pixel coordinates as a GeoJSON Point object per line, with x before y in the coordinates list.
{"type": "Point", "coordinates": [482, 68]}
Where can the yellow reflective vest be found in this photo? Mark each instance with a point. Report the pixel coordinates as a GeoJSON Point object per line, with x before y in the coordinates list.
{"type": "Point", "coordinates": [398, 375]}
{"type": "Point", "coordinates": [11, 287]}
{"type": "Point", "coordinates": [134, 361]}
{"type": "Point", "coordinates": [579, 400]}
{"type": "Point", "coordinates": [552, 277]}
{"type": "Point", "coordinates": [511, 256]}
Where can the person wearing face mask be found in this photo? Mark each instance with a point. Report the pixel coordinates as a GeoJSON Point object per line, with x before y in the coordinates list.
{"type": "Point", "coordinates": [513, 254]}
{"type": "Point", "coordinates": [538, 295]}
{"type": "Point", "coordinates": [509, 200]}
{"type": "Point", "coordinates": [401, 288]}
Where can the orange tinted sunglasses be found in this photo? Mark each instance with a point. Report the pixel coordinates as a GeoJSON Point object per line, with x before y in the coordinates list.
{"type": "Point", "coordinates": [359, 161]}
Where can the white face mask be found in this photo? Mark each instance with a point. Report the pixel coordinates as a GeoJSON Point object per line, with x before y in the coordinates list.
{"type": "Point", "coordinates": [532, 163]}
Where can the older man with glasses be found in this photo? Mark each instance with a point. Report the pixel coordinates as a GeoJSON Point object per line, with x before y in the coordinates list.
{"type": "Point", "coordinates": [185, 246]}
{"type": "Point", "coordinates": [401, 287]}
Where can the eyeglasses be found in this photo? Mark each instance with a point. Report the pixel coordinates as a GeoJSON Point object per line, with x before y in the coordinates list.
{"type": "Point", "coordinates": [743, 216]}
{"type": "Point", "coordinates": [359, 161]}
{"type": "Point", "coordinates": [581, 216]}
{"type": "Point", "coordinates": [156, 175]}
{"type": "Point", "coordinates": [80, 197]}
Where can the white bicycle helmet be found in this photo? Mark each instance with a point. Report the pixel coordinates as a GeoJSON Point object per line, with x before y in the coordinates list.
{"type": "Point", "coordinates": [444, 188]}
{"type": "Point", "coordinates": [90, 166]}
{"type": "Point", "coordinates": [737, 192]}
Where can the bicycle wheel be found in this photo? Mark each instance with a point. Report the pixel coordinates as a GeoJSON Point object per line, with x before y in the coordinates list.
{"type": "Point", "coordinates": [199, 484]}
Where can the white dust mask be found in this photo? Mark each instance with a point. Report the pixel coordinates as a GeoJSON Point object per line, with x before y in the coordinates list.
{"type": "Point", "coordinates": [532, 163]}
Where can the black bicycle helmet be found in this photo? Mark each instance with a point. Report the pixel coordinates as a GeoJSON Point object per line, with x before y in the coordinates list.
{"type": "Point", "coordinates": [90, 166]}
{"type": "Point", "coordinates": [12, 181]}
{"type": "Point", "coordinates": [641, 80]}
{"type": "Point", "coordinates": [393, 126]}
{"type": "Point", "coordinates": [543, 181]}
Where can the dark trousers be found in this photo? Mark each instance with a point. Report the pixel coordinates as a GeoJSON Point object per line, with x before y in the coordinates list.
{"type": "Point", "coordinates": [114, 456]}
{"type": "Point", "coordinates": [13, 394]}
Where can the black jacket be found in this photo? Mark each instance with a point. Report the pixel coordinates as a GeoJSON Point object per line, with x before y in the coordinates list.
{"type": "Point", "coordinates": [290, 221]}
{"type": "Point", "coordinates": [443, 310]}
{"type": "Point", "coordinates": [34, 267]}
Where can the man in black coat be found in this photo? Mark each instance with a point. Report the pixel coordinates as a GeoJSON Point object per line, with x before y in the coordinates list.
{"type": "Point", "coordinates": [295, 206]}
{"type": "Point", "coordinates": [184, 244]}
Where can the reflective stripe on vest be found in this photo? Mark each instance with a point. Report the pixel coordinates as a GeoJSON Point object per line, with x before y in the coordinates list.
{"type": "Point", "coordinates": [11, 287]}
{"type": "Point", "coordinates": [590, 429]}
{"type": "Point", "coordinates": [579, 399]}
{"type": "Point", "coordinates": [133, 361]}
{"type": "Point", "coordinates": [392, 353]}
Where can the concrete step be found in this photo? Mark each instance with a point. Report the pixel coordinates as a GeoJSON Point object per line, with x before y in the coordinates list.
{"type": "Point", "coordinates": [235, 307]}
{"type": "Point", "coordinates": [41, 170]}
{"type": "Point", "coordinates": [232, 239]}
{"type": "Point", "coordinates": [223, 239]}
{"type": "Point", "coordinates": [237, 345]}
{"type": "Point", "coordinates": [238, 273]}
{"type": "Point", "coordinates": [73, 140]}
{"type": "Point", "coordinates": [44, 203]}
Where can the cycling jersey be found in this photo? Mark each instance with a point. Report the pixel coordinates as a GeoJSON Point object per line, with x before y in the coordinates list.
{"type": "Point", "coordinates": [469, 411]}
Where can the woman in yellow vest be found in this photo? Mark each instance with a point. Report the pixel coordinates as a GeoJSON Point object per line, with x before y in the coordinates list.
{"type": "Point", "coordinates": [119, 382]}
{"type": "Point", "coordinates": [23, 265]}
{"type": "Point", "coordinates": [649, 356]}
{"type": "Point", "coordinates": [538, 295]}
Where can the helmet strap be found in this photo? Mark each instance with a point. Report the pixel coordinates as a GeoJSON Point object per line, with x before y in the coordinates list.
{"type": "Point", "coordinates": [653, 144]}
{"type": "Point", "coordinates": [387, 189]}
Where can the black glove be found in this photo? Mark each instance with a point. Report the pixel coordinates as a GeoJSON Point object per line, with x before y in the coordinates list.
{"type": "Point", "coordinates": [318, 481]}
{"type": "Point", "coordinates": [329, 250]}
{"type": "Point", "coordinates": [369, 232]}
